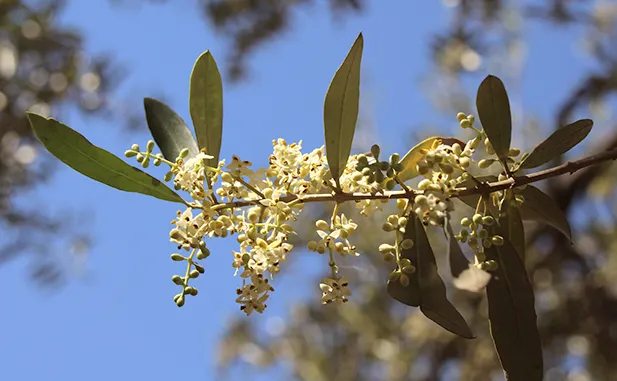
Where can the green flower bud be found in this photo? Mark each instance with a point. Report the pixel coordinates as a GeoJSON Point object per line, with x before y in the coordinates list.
{"type": "Point", "coordinates": [322, 225]}
{"type": "Point", "coordinates": [177, 279]}
{"type": "Point", "coordinates": [497, 240]}
{"type": "Point", "coordinates": [408, 269]}
{"type": "Point", "coordinates": [177, 257]}
{"type": "Point", "coordinates": [471, 118]}
{"type": "Point", "coordinates": [489, 147]}
{"type": "Point", "coordinates": [398, 167]}
{"type": "Point", "coordinates": [390, 172]}
{"type": "Point", "coordinates": [390, 184]}
{"type": "Point", "coordinates": [157, 162]}
{"type": "Point", "coordinates": [367, 171]}
{"type": "Point", "coordinates": [362, 159]}
{"type": "Point", "coordinates": [168, 176]}
{"type": "Point", "coordinates": [387, 227]}
{"type": "Point", "coordinates": [424, 184]}
{"type": "Point", "coordinates": [487, 243]}
{"type": "Point", "coordinates": [139, 158]}
{"type": "Point", "coordinates": [482, 233]}
{"type": "Point", "coordinates": [150, 146]}
{"type": "Point", "coordinates": [464, 233]}
{"type": "Point", "coordinates": [465, 123]}
{"type": "Point", "coordinates": [394, 158]}
{"type": "Point", "coordinates": [472, 242]}
{"type": "Point", "coordinates": [184, 153]}
{"type": "Point", "coordinates": [513, 152]}
{"type": "Point", "coordinates": [227, 177]}
{"type": "Point", "coordinates": [485, 163]}
{"type": "Point", "coordinates": [190, 291]}
{"type": "Point", "coordinates": [456, 148]}
{"type": "Point", "coordinates": [146, 162]}
{"type": "Point", "coordinates": [446, 168]}
{"type": "Point", "coordinates": [135, 147]}
{"type": "Point", "coordinates": [130, 153]}
{"type": "Point", "coordinates": [180, 300]}
{"type": "Point", "coordinates": [379, 177]}
{"type": "Point", "coordinates": [312, 245]}
{"type": "Point", "coordinates": [394, 275]}
{"type": "Point", "coordinates": [465, 221]}
{"type": "Point", "coordinates": [460, 116]}
{"type": "Point", "coordinates": [383, 165]}
{"type": "Point", "coordinates": [473, 144]}
{"type": "Point", "coordinates": [389, 257]}
{"type": "Point", "coordinates": [407, 244]}
{"type": "Point", "coordinates": [386, 248]}
{"type": "Point", "coordinates": [375, 150]}
{"type": "Point", "coordinates": [402, 221]}
{"type": "Point", "coordinates": [477, 218]}
{"type": "Point", "coordinates": [194, 274]}
{"type": "Point", "coordinates": [488, 220]}
{"type": "Point", "coordinates": [404, 262]}
{"type": "Point", "coordinates": [199, 268]}
{"type": "Point", "coordinates": [393, 219]}
{"type": "Point", "coordinates": [403, 280]}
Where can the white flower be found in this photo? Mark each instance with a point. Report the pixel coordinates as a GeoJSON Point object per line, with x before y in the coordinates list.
{"type": "Point", "coordinates": [334, 290]}
{"type": "Point", "coordinates": [472, 279]}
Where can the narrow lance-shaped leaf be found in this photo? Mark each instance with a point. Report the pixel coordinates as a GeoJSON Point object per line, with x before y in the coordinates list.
{"type": "Point", "coordinates": [341, 110]}
{"type": "Point", "coordinates": [512, 316]}
{"type": "Point", "coordinates": [414, 155]}
{"type": "Point", "coordinates": [168, 129]}
{"type": "Point", "coordinates": [512, 225]}
{"type": "Point", "coordinates": [539, 206]}
{"type": "Point", "coordinates": [434, 303]}
{"type": "Point", "coordinates": [206, 105]}
{"type": "Point", "coordinates": [560, 142]}
{"type": "Point", "coordinates": [458, 261]}
{"type": "Point", "coordinates": [494, 112]}
{"type": "Point", "coordinates": [78, 153]}
{"type": "Point", "coordinates": [410, 294]}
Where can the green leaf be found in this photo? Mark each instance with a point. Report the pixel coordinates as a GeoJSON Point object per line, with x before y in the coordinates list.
{"type": "Point", "coordinates": [206, 105]}
{"type": "Point", "coordinates": [434, 303]}
{"type": "Point", "coordinates": [414, 155]}
{"type": "Point", "coordinates": [472, 200]}
{"type": "Point", "coordinates": [539, 206]}
{"type": "Point", "coordinates": [494, 112]}
{"type": "Point", "coordinates": [410, 294]}
{"type": "Point", "coordinates": [341, 110]}
{"type": "Point", "coordinates": [458, 261]}
{"type": "Point", "coordinates": [168, 129]}
{"type": "Point", "coordinates": [512, 226]}
{"type": "Point", "coordinates": [512, 316]}
{"type": "Point", "coordinates": [560, 142]}
{"type": "Point", "coordinates": [78, 153]}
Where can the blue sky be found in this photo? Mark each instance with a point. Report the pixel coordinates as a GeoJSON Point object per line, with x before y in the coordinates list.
{"type": "Point", "coordinates": [119, 321]}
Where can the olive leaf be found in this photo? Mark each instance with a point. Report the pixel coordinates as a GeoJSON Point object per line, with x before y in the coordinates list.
{"type": "Point", "coordinates": [512, 225]}
{"type": "Point", "coordinates": [560, 142]}
{"type": "Point", "coordinates": [168, 129]}
{"type": "Point", "coordinates": [539, 206]}
{"type": "Point", "coordinates": [458, 261]}
{"type": "Point", "coordinates": [414, 155]}
{"type": "Point", "coordinates": [341, 110]}
{"type": "Point", "coordinates": [77, 152]}
{"type": "Point", "coordinates": [472, 200]}
{"type": "Point", "coordinates": [206, 105]}
{"type": "Point", "coordinates": [494, 112]}
{"type": "Point", "coordinates": [512, 315]}
{"type": "Point", "coordinates": [434, 303]}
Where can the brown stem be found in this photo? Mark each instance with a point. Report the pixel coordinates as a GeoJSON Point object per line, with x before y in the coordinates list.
{"type": "Point", "coordinates": [516, 181]}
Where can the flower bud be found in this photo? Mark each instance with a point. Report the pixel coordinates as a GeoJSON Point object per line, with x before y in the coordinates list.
{"type": "Point", "coordinates": [424, 184]}
{"type": "Point", "coordinates": [194, 274]}
{"type": "Point", "coordinates": [513, 152]}
{"type": "Point", "coordinates": [312, 245]}
{"type": "Point", "coordinates": [474, 143]}
{"type": "Point", "coordinates": [404, 280]}
{"type": "Point", "coordinates": [387, 227]}
{"type": "Point", "coordinates": [180, 300]}
{"type": "Point", "coordinates": [409, 269]}
{"type": "Point", "coordinates": [199, 268]}
{"type": "Point", "coordinates": [362, 159]}
{"type": "Point", "coordinates": [487, 243]}
{"type": "Point", "coordinates": [489, 147]}
{"type": "Point", "coordinates": [394, 275]}
{"type": "Point", "coordinates": [177, 279]}
{"type": "Point", "coordinates": [456, 148]}
{"type": "Point", "coordinates": [389, 257]}
{"type": "Point", "coordinates": [465, 123]}
{"type": "Point", "coordinates": [177, 257]}
{"type": "Point", "coordinates": [386, 248]}
{"type": "Point", "coordinates": [393, 219]}
{"type": "Point", "coordinates": [139, 158]}
{"type": "Point", "coordinates": [394, 158]}
{"type": "Point", "coordinates": [402, 221]}
{"type": "Point", "coordinates": [168, 176]}
{"type": "Point", "coordinates": [146, 162]}
{"type": "Point", "coordinates": [407, 244]}
{"type": "Point", "coordinates": [460, 116]}
{"type": "Point", "coordinates": [497, 240]}
{"type": "Point", "coordinates": [135, 147]}
{"type": "Point", "coordinates": [465, 162]}
{"type": "Point", "coordinates": [485, 163]}
{"type": "Point", "coordinates": [322, 225]}
{"type": "Point", "coordinates": [184, 153]}
{"type": "Point", "coordinates": [157, 162]}
{"type": "Point", "coordinates": [488, 220]}
{"type": "Point", "coordinates": [401, 203]}
{"type": "Point", "coordinates": [130, 153]}
{"type": "Point", "coordinates": [471, 118]}
{"type": "Point", "coordinates": [149, 146]}
{"type": "Point", "coordinates": [477, 218]}
{"type": "Point", "coordinates": [375, 150]}
{"type": "Point", "coordinates": [390, 184]}
{"type": "Point", "coordinates": [226, 177]}
{"type": "Point", "coordinates": [465, 221]}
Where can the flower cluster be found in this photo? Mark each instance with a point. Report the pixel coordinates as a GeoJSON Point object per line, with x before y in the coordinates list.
{"type": "Point", "coordinates": [259, 207]}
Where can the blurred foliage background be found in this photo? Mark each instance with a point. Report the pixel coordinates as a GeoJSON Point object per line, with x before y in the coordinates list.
{"type": "Point", "coordinates": [42, 66]}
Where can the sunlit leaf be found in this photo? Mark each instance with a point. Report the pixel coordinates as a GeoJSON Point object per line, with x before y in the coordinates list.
{"type": "Point", "coordinates": [512, 226]}
{"type": "Point", "coordinates": [433, 299]}
{"type": "Point", "coordinates": [539, 206]}
{"type": "Point", "coordinates": [96, 163]}
{"type": "Point", "coordinates": [341, 110]}
{"type": "Point", "coordinates": [168, 129]}
{"type": "Point", "coordinates": [512, 316]}
{"type": "Point", "coordinates": [458, 261]}
{"type": "Point", "coordinates": [206, 105]}
{"type": "Point", "coordinates": [494, 112]}
{"type": "Point", "coordinates": [414, 155]}
{"type": "Point", "coordinates": [560, 142]}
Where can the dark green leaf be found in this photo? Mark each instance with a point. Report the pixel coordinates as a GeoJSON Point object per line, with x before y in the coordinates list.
{"type": "Point", "coordinates": [341, 110]}
{"type": "Point", "coordinates": [539, 206]}
{"type": "Point", "coordinates": [206, 105]}
{"type": "Point", "coordinates": [458, 261]}
{"type": "Point", "coordinates": [472, 200]}
{"type": "Point", "coordinates": [78, 153]}
{"type": "Point", "coordinates": [512, 316]}
{"type": "Point", "coordinates": [414, 155]}
{"type": "Point", "coordinates": [512, 226]}
{"type": "Point", "coordinates": [410, 294]}
{"type": "Point", "coordinates": [560, 142]}
{"type": "Point", "coordinates": [494, 112]}
{"type": "Point", "coordinates": [433, 300]}
{"type": "Point", "coordinates": [168, 129]}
